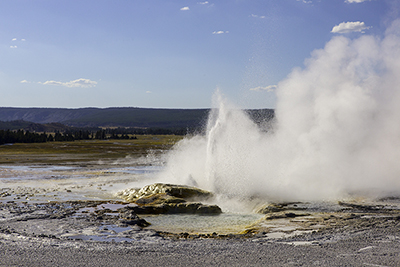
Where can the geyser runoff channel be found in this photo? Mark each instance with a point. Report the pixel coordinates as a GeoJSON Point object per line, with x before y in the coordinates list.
{"type": "Point", "coordinates": [336, 132]}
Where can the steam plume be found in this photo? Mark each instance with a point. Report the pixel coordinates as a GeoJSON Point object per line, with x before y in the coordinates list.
{"type": "Point", "coordinates": [337, 131]}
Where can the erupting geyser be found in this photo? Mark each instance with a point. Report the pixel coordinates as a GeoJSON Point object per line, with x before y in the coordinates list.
{"type": "Point", "coordinates": [336, 131]}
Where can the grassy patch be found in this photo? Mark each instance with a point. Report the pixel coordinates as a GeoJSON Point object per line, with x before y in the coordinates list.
{"type": "Point", "coordinates": [85, 150]}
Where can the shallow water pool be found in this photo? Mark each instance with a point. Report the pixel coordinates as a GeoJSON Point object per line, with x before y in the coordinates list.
{"type": "Point", "coordinates": [225, 223]}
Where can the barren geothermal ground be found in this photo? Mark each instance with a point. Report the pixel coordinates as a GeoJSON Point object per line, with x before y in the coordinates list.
{"type": "Point", "coordinates": [73, 204]}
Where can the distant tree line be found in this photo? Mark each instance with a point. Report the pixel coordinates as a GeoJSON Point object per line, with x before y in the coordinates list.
{"type": "Point", "coordinates": [148, 131]}
{"type": "Point", "coordinates": [21, 136]}
{"type": "Point", "coordinates": [101, 134]}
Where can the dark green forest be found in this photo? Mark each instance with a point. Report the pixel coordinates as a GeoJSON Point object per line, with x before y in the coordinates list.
{"type": "Point", "coordinates": [21, 136]}
{"type": "Point", "coordinates": [50, 125]}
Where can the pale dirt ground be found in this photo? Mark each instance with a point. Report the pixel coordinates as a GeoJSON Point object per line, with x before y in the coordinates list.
{"type": "Point", "coordinates": [367, 247]}
{"type": "Point", "coordinates": [59, 233]}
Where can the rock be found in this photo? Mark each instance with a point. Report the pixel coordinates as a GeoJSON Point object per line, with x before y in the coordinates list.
{"type": "Point", "coordinates": [169, 199]}
{"type": "Point", "coordinates": [284, 215]}
{"type": "Point", "coordinates": [177, 208]}
{"type": "Point", "coordinates": [179, 191]}
{"type": "Point", "coordinates": [278, 207]}
{"type": "Point", "coordinates": [159, 199]}
{"type": "Point", "coordinates": [130, 217]}
{"type": "Point", "coordinates": [194, 208]}
{"type": "Point", "coordinates": [362, 206]}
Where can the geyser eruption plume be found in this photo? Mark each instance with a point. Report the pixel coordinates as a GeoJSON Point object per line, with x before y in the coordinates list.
{"type": "Point", "coordinates": [337, 131]}
{"type": "Point", "coordinates": [229, 136]}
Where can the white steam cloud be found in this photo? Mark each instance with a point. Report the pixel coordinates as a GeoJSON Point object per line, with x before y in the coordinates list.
{"type": "Point", "coordinates": [337, 131]}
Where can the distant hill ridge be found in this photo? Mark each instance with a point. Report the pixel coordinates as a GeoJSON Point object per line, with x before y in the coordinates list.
{"type": "Point", "coordinates": [118, 117]}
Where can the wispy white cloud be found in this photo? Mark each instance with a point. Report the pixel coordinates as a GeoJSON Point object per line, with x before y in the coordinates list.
{"type": "Point", "coordinates": [16, 40]}
{"type": "Point", "coordinates": [305, 1]}
{"type": "Point", "coordinates": [24, 81]}
{"type": "Point", "coordinates": [185, 8]}
{"type": "Point", "coordinates": [355, 1]}
{"type": "Point", "coordinates": [149, 92]}
{"type": "Point", "coordinates": [257, 16]}
{"type": "Point", "coordinates": [205, 3]}
{"type": "Point", "coordinates": [269, 88]}
{"type": "Point", "coordinates": [84, 83]}
{"type": "Point", "coordinates": [220, 32]}
{"type": "Point", "coordinates": [346, 27]}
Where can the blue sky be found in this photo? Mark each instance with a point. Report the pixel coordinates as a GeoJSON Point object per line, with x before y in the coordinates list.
{"type": "Point", "coordinates": [164, 53]}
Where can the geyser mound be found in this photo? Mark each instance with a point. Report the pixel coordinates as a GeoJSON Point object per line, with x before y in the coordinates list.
{"type": "Point", "coordinates": [336, 131]}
